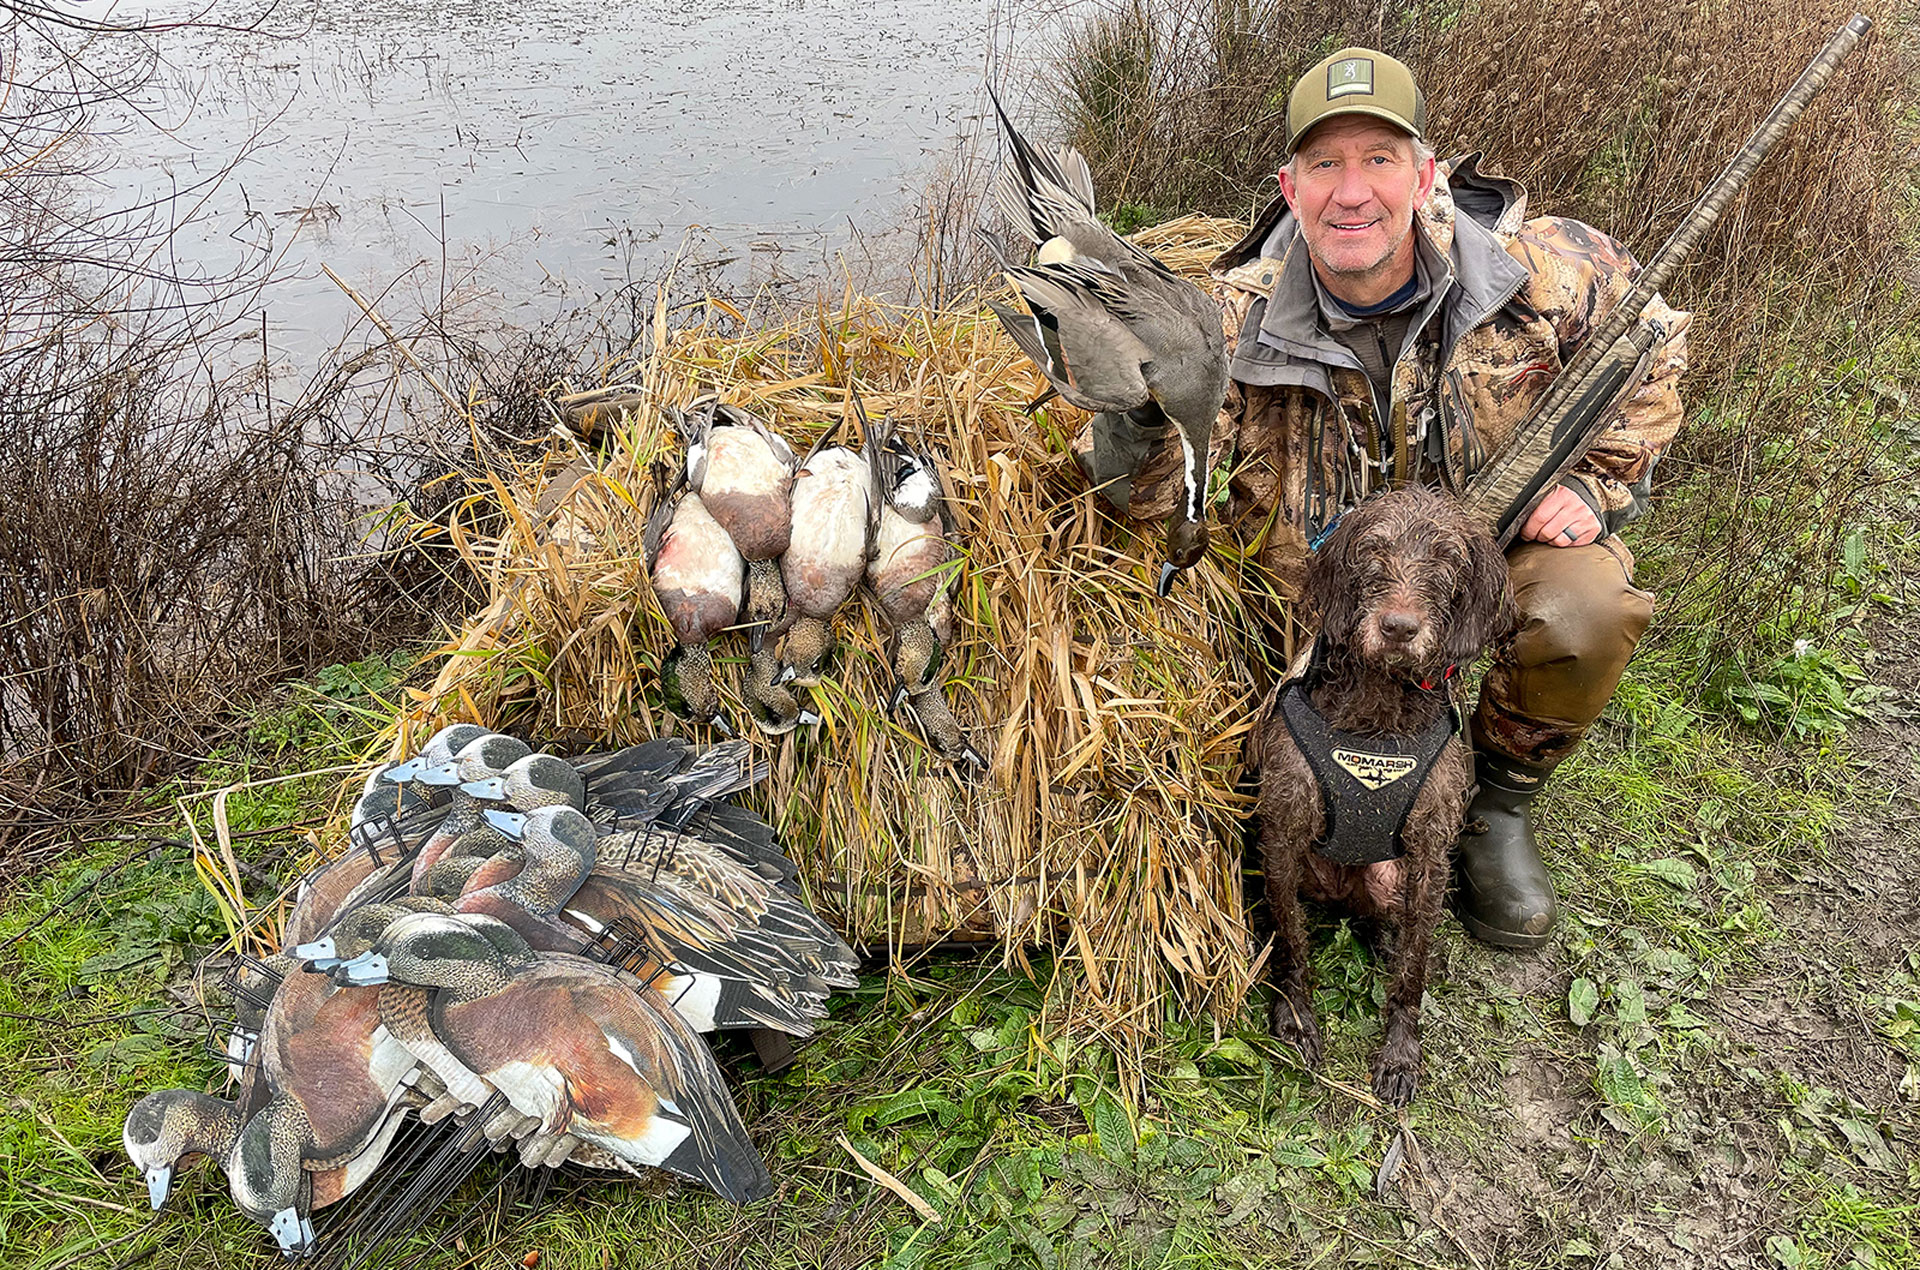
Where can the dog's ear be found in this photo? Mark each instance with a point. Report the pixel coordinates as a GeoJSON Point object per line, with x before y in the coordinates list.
{"type": "Point", "coordinates": [1485, 610]}
{"type": "Point", "coordinates": [1333, 573]}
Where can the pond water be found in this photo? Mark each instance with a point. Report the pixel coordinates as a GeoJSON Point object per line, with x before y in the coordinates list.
{"type": "Point", "coordinates": [542, 150]}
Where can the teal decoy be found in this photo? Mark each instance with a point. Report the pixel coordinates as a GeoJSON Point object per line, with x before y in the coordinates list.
{"type": "Point", "coordinates": [1113, 329]}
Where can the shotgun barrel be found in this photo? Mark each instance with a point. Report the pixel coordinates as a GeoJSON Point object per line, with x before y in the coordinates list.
{"type": "Point", "coordinates": [1581, 401]}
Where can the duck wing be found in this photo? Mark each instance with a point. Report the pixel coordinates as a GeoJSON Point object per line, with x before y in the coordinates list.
{"type": "Point", "coordinates": [1085, 348]}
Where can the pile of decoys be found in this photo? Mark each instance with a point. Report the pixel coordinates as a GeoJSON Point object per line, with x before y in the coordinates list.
{"type": "Point", "coordinates": [745, 536]}
{"type": "Point", "coordinates": [523, 951]}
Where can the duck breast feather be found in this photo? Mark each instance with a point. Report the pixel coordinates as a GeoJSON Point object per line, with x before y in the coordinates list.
{"type": "Point", "coordinates": [906, 557]}
{"type": "Point", "coordinates": [699, 575]}
{"type": "Point", "coordinates": [749, 491]}
{"type": "Point", "coordinates": [833, 498]}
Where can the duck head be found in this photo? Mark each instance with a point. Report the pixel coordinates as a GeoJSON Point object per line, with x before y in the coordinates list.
{"type": "Point", "coordinates": [437, 752]}
{"type": "Point", "coordinates": [472, 956]}
{"type": "Point", "coordinates": [687, 687]}
{"type": "Point", "coordinates": [808, 645]}
{"type": "Point", "coordinates": [355, 932]}
{"type": "Point", "coordinates": [170, 1126]}
{"type": "Point", "coordinates": [1186, 544]}
{"type": "Point", "coordinates": [555, 838]}
{"type": "Point", "coordinates": [538, 780]}
{"type": "Point", "coordinates": [776, 710]}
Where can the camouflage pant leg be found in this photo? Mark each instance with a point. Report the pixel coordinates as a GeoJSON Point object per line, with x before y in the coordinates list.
{"type": "Point", "coordinates": [1580, 619]}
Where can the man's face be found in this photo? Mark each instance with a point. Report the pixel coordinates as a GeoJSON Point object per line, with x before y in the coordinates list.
{"type": "Point", "coordinates": [1354, 186]}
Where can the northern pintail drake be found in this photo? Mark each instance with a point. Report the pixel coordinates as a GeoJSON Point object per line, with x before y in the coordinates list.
{"type": "Point", "coordinates": [1114, 330]}
{"type": "Point", "coordinates": [743, 472]}
{"type": "Point", "coordinates": [698, 577]}
{"type": "Point", "coordinates": [575, 1044]}
{"type": "Point", "coordinates": [909, 575]}
{"type": "Point", "coordinates": [835, 508]}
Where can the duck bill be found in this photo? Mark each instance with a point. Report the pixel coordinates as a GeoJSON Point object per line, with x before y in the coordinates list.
{"type": "Point", "coordinates": [291, 1231]}
{"type": "Point", "coordinates": [444, 774]}
{"type": "Point", "coordinates": [491, 788]}
{"type": "Point", "coordinates": [1169, 571]}
{"type": "Point", "coordinates": [159, 1182]}
{"type": "Point", "coordinates": [401, 773]}
{"type": "Point", "coordinates": [317, 950]}
{"type": "Point", "coordinates": [719, 724]}
{"type": "Point", "coordinates": [368, 970]}
{"type": "Point", "coordinates": [511, 823]}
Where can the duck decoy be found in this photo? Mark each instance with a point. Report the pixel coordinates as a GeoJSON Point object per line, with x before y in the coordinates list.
{"type": "Point", "coordinates": [834, 511]}
{"type": "Point", "coordinates": [909, 575]}
{"type": "Point", "coordinates": [464, 830]}
{"type": "Point", "coordinates": [1114, 330]}
{"type": "Point", "coordinates": [727, 948]}
{"type": "Point", "coordinates": [743, 472]}
{"type": "Point", "coordinates": [698, 576]}
{"type": "Point", "coordinates": [575, 1044]}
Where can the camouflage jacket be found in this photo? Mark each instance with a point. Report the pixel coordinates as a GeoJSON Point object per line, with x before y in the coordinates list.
{"type": "Point", "coordinates": [1509, 301]}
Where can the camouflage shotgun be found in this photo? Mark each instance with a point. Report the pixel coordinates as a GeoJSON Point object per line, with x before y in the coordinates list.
{"type": "Point", "coordinates": [1580, 403]}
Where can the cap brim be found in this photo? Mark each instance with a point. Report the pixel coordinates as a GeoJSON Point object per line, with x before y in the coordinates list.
{"type": "Point", "coordinates": [1375, 112]}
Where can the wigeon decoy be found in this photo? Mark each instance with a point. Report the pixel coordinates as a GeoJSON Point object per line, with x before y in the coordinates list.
{"type": "Point", "coordinates": [743, 472]}
{"type": "Point", "coordinates": [578, 1046]}
{"type": "Point", "coordinates": [698, 576]}
{"type": "Point", "coordinates": [464, 829]}
{"type": "Point", "coordinates": [834, 510]}
{"type": "Point", "coordinates": [1113, 329]}
{"type": "Point", "coordinates": [908, 576]}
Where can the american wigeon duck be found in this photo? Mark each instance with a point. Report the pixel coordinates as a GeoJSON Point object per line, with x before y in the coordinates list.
{"type": "Point", "coordinates": [721, 943]}
{"type": "Point", "coordinates": [835, 508]}
{"type": "Point", "coordinates": [908, 575]}
{"type": "Point", "coordinates": [577, 1045]}
{"type": "Point", "coordinates": [464, 830]}
{"type": "Point", "coordinates": [743, 472]}
{"type": "Point", "coordinates": [1113, 329]}
{"type": "Point", "coordinates": [698, 577]}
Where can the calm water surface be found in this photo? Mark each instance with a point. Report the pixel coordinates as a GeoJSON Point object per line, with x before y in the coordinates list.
{"type": "Point", "coordinates": [543, 150]}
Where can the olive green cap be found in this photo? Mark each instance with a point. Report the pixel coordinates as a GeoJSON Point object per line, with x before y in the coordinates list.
{"type": "Point", "coordinates": [1355, 81]}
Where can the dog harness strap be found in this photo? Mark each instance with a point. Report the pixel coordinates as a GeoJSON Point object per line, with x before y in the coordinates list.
{"type": "Point", "coordinates": [1368, 784]}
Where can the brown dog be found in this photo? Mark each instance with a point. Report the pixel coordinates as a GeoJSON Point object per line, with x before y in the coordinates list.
{"type": "Point", "coordinates": [1407, 591]}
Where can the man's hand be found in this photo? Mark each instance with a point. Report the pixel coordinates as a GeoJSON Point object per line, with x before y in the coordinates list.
{"type": "Point", "coordinates": [1563, 519]}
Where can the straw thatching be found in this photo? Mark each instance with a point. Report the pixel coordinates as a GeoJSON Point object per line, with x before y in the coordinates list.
{"type": "Point", "coordinates": [1109, 827]}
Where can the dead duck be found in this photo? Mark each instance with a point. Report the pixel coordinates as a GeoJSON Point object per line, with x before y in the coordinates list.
{"type": "Point", "coordinates": [727, 947]}
{"type": "Point", "coordinates": [698, 576]}
{"type": "Point", "coordinates": [578, 1046]}
{"type": "Point", "coordinates": [835, 508]}
{"type": "Point", "coordinates": [775, 708]}
{"type": "Point", "coordinates": [1114, 330]}
{"type": "Point", "coordinates": [743, 472]}
{"type": "Point", "coordinates": [909, 576]}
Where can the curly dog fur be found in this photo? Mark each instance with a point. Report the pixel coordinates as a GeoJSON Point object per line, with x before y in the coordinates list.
{"type": "Point", "coordinates": [1404, 589]}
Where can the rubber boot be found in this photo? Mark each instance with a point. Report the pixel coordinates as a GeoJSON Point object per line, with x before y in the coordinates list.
{"type": "Point", "coordinates": [1506, 897]}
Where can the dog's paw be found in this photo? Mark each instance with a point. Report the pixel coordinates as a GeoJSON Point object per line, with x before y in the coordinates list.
{"type": "Point", "coordinates": [1396, 1070]}
{"type": "Point", "coordinates": [1292, 1023]}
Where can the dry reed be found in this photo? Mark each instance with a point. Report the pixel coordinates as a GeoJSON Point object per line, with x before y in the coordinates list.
{"type": "Point", "coordinates": [1108, 828]}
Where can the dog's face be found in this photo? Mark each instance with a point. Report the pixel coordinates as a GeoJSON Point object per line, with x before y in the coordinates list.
{"type": "Point", "coordinates": [1411, 585]}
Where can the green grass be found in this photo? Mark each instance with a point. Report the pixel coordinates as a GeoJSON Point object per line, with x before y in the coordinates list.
{"type": "Point", "coordinates": [1681, 825]}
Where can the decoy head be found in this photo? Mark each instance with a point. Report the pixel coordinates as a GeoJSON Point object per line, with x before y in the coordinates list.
{"type": "Point", "coordinates": [170, 1125]}
{"type": "Point", "coordinates": [560, 831]}
{"type": "Point", "coordinates": [538, 780]}
{"type": "Point", "coordinates": [1186, 543]}
{"type": "Point", "coordinates": [352, 935]}
{"type": "Point", "coordinates": [687, 687]}
{"type": "Point", "coordinates": [435, 950]}
{"type": "Point", "coordinates": [489, 756]}
{"type": "Point", "coordinates": [805, 651]}
{"type": "Point", "coordinates": [437, 752]}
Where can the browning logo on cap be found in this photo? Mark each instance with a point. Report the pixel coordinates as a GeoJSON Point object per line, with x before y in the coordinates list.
{"type": "Point", "coordinates": [1351, 75]}
{"type": "Point", "coordinates": [1375, 771]}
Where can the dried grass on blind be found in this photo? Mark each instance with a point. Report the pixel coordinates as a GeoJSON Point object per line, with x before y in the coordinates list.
{"type": "Point", "coordinates": [1109, 827]}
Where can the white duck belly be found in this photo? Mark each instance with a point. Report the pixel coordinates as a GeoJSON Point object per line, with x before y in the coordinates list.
{"type": "Point", "coordinates": [828, 552]}
{"type": "Point", "coordinates": [699, 574]}
{"type": "Point", "coordinates": [748, 491]}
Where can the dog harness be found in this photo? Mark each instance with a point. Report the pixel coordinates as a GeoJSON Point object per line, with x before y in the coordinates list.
{"type": "Point", "coordinates": [1368, 784]}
